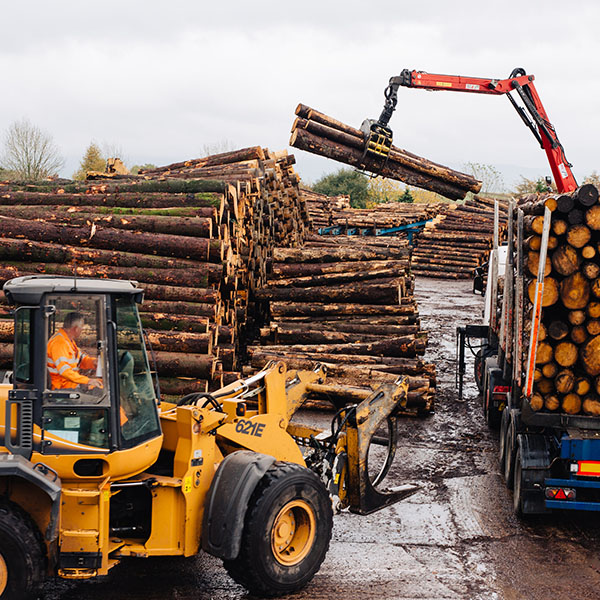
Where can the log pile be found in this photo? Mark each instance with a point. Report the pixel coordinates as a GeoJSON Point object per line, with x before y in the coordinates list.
{"type": "Point", "coordinates": [366, 221]}
{"type": "Point", "coordinates": [198, 248]}
{"type": "Point", "coordinates": [458, 240]}
{"type": "Point", "coordinates": [351, 307]}
{"type": "Point", "coordinates": [322, 208]}
{"type": "Point", "coordinates": [567, 374]}
{"type": "Point", "coordinates": [320, 134]}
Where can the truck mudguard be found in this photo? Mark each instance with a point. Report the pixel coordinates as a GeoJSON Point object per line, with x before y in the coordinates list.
{"type": "Point", "coordinates": [42, 477]}
{"type": "Point", "coordinates": [535, 451]}
{"type": "Point", "coordinates": [227, 501]}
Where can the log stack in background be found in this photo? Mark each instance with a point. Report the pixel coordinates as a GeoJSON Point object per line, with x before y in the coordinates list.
{"type": "Point", "coordinates": [322, 209]}
{"type": "Point", "coordinates": [368, 221]}
{"type": "Point", "coordinates": [567, 375]}
{"type": "Point", "coordinates": [197, 247]}
{"type": "Point", "coordinates": [351, 307]}
{"type": "Point", "coordinates": [458, 240]}
{"type": "Point", "coordinates": [320, 134]}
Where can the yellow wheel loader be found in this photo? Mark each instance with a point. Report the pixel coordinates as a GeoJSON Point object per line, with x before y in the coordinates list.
{"type": "Point", "coordinates": [94, 467]}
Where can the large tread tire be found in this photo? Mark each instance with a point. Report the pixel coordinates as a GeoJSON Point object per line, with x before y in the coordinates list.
{"type": "Point", "coordinates": [518, 486]}
{"type": "Point", "coordinates": [510, 451]}
{"type": "Point", "coordinates": [22, 555]}
{"type": "Point", "coordinates": [502, 442]}
{"type": "Point", "coordinates": [257, 567]}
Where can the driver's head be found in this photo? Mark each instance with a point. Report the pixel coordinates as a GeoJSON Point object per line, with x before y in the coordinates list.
{"type": "Point", "coordinates": [73, 324]}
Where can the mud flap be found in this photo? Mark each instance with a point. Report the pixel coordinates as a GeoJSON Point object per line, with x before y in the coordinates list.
{"type": "Point", "coordinates": [535, 456]}
{"type": "Point", "coordinates": [361, 427]}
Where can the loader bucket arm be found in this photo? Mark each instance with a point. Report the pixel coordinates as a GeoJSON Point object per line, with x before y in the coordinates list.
{"type": "Point", "coordinates": [362, 496]}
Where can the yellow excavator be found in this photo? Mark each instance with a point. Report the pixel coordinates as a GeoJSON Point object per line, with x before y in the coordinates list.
{"type": "Point", "coordinates": [94, 472]}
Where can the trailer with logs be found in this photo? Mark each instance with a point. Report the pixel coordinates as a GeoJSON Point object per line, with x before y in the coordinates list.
{"type": "Point", "coordinates": [538, 366]}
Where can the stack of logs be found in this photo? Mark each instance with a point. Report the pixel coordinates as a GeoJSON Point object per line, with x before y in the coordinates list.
{"type": "Point", "coordinates": [567, 375]}
{"type": "Point", "coordinates": [320, 134]}
{"type": "Point", "coordinates": [459, 239]}
{"type": "Point", "coordinates": [197, 247]}
{"type": "Point", "coordinates": [371, 221]}
{"type": "Point", "coordinates": [347, 303]}
{"type": "Point", "coordinates": [322, 209]}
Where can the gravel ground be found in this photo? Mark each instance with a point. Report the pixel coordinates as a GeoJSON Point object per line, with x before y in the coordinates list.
{"type": "Point", "coordinates": [456, 538]}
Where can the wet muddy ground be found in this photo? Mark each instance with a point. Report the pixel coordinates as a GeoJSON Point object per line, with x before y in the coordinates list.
{"type": "Point", "coordinates": [456, 538]}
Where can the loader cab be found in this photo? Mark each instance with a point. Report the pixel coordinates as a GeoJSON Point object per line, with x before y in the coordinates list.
{"type": "Point", "coordinates": [80, 363]}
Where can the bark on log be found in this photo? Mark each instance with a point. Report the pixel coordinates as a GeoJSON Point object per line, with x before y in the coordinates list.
{"type": "Point", "coordinates": [301, 309]}
{"type": "Point", "coordinates": [305, 140]}
{"type": "Point", "coordinates": [369, 294]}
{"type": "Point", "coordinates": [107, 238]}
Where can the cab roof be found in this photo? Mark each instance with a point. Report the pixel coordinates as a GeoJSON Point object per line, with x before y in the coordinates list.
{"type": "Point", "coordinates": [30, 288]}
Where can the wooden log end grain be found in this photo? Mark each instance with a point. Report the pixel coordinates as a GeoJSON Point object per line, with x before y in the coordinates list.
{"type": "Point", "coordinates": [536, 402]}
{"type": "Point", "coordinates": [551, 292]}
{"type": "Point", "coordinates": [575, 291]}
{"type": "Point", "coordinates": [591, 405]}
{"type": "Point", "coordinates": [551, 402]}
{"type": "Point", "coordinates": [589, 355]}
{"type": "Point", "coordinates": [571, 404]}
{"type": "Point", "coordinates": [565, 354]}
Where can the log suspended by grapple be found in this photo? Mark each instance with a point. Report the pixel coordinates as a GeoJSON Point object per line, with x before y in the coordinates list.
{"type": "Point", "coordinates": [320, 134]}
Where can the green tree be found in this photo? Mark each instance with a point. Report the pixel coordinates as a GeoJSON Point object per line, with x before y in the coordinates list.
{"type": "Point", "coordinates": [30, 153]}
{"type": "Point", "coordinates": [345, 181]}
{"type": "Point", "coordinates": [92, 161]}
{"type": "Point", "coordinates": [137, 168]}
{"type": "Point", "coordinates": [406, 197]}
{"type": "Point", "coordinates": [384, 190]}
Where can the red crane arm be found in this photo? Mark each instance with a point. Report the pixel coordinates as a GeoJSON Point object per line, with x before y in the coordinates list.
{"type": "Point", "coordinates": [532, 113]}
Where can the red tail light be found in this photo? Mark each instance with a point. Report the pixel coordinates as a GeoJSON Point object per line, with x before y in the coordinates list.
{"type": "Point", "coordinates": [553, 493]}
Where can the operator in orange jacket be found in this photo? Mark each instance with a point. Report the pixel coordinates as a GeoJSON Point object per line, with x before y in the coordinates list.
{"type": "Point", "coordinates": [65, 358]}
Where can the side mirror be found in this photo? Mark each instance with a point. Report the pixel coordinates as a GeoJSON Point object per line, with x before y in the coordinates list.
{"type": "Point", "coordinates": [49, 310]}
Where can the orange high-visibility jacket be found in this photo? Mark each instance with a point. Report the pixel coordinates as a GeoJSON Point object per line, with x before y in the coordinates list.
{"type": "Point", "coordinates": [64, 361]}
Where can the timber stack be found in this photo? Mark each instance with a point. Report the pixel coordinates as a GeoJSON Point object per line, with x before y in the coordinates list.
{"type": "Point", "coordinates": [383, 219]}
{"type": "Point", "coordinates": [567, 374]}
{"type": "Point", "coordinates": [350, 307]}
{"type": "Point", "coordinates": [322, 208]}
{"type": "Point", "coordinates": [198, 247]}
{"type": "Point", "coordinates": [320, 134]}
{"type": "Point", "coordinates": [459, 239]}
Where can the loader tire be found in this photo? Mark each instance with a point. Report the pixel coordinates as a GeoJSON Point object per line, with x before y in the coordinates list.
{"type": "Point", "coordinates": [22, 556]}
{"type": "Point", "coordinates": [286, 533]}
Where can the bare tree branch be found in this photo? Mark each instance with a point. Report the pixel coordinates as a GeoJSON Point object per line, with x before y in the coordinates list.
{"type": "Point", "coordinates": [29, 152]}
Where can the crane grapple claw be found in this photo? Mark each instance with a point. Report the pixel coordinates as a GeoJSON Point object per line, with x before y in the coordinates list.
{"type": "Point", "coordinates": [378, 140]}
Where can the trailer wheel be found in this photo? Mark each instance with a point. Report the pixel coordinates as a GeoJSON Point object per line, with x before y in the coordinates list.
{"type": "Point", "coordinates": [286, 534]}
{"type": "Point", "coordinates": [518, 486]}
{"type": "Point", "coordinates": [502, 442]}
{"type": "Point", "coordinates": [532, 467]}
{"type": "Point", "coordinates": [21, 555]}
{"type": "Point", "coordinates": [510, 450]}
{"type": "Point", "coordinates": [492, 378]}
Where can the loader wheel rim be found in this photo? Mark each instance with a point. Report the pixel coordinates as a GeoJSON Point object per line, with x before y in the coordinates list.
{"type": "Point", "coordinates": [293, 532]}
{"type": "Point", "coordinates": [3, 574]}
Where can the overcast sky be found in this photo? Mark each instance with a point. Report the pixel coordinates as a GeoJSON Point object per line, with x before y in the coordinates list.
{"type": "Point", "coordinates": [162, 80]}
